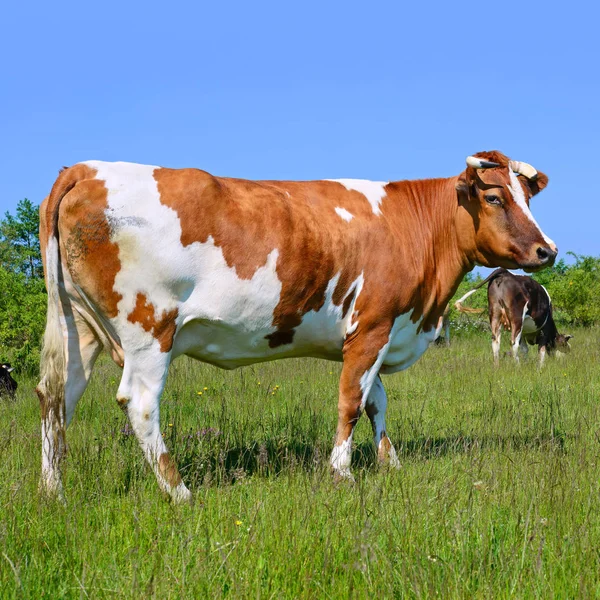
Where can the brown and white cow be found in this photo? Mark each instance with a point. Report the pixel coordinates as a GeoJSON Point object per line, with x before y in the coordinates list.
{"type": "Point", "coordinates": [522, 305]}
{"type": "Point", "coordinates": [151, 263]}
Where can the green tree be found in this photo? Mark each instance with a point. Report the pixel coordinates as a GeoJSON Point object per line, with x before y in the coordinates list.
{"type": "Point", "coordinates": [22, 319]}
{"type": "Point", "coordinates": [22, 294]}
{"type": "Point", "coordinates": [574, 289]}
{"type": "Point", "coordinates": [19, 241]}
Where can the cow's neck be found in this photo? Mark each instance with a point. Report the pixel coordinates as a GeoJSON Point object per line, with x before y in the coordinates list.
{"type": "Point", "coordinates": [438, 256]}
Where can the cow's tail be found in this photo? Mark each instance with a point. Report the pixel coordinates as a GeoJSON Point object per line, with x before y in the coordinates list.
{"type": "Point", "coordinates": [459, 303]}
{"type": "Point", "coordinates": [51, 389]}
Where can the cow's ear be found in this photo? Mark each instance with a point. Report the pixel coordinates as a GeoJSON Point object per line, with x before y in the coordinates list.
{"type": "Point", "coordinates": [465, 186]}
{"type": "Point", "coordinates": [538, 184]}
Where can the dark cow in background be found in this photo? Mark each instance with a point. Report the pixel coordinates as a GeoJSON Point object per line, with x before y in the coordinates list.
{"type": "Point", "coordinates": [8, 386]}
{"type": "Point", "coordinates": [521, 304]}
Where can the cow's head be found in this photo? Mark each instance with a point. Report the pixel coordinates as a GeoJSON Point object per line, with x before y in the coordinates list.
{"type": "Point", "coordinates": [5, 369]}
{"type": "Point", "coordinates": [562, 345]}
{"type": "Point", "coordinates": [496, 224]}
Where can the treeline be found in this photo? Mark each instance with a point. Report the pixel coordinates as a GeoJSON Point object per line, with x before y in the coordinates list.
{"type": "Point", "coordinates": [574, 288]}
{"type": "Point", "coordinates": [22, 290]}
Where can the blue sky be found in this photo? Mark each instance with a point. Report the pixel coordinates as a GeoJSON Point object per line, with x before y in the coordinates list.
{"type": "Point", "coordinates": [306, 90]}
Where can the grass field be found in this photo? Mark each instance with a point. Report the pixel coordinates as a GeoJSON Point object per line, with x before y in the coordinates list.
{"type": "Point", "coordinates": [498, 495]}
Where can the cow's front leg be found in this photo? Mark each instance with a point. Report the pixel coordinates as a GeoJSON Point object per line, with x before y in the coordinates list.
{"type": "Point", "coordinates": [363, 357]}
{"type": "Point", "coordinates": [375, 408]}
{"type": "Point", "coordinates": [542, 355]}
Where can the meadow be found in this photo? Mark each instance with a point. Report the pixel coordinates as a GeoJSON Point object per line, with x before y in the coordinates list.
{"type": "Point", "coordinates": [498, 494]}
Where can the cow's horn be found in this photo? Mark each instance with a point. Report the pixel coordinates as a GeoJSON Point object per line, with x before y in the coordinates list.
{"type": "Point", "coordinates": [523, 169]}
{"type": "Point", "coordinates": [479, 163]}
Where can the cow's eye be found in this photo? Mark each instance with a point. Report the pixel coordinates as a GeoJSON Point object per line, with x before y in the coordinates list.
{"type": "Point", "coordinates": [491, 199]}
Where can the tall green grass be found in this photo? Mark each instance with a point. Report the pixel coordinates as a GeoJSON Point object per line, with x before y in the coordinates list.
{"type": "Point", "coordinates": [498, 495]}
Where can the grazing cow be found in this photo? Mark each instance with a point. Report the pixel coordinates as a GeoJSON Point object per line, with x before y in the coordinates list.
{"type": "Point", "coordinates": [522, 305]}
{"type": "Point", "coordinates": [8, 386]}
{"type": "Point", "coordinates": [151, 263]}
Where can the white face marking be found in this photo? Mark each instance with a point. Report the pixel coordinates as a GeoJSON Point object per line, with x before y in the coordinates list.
{"type": "Point", "coordinates": [519, 197]}
{"type": "Point", "coordinates": [373, 191]}
{"type": "Point", "coordinates": [342, 212]}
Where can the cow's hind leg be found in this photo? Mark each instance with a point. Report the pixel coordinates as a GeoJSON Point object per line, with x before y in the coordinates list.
{"type": "Point", "coordinates": [68, 356]}
{"type": "Point", "coordinates": [144, 376]}
{"type": "Point", "coordinates": [516, 328]}
{"type": "Point", "coordinates": [496, 326]}
{"type": "Point", "coordinates": [375, 408]}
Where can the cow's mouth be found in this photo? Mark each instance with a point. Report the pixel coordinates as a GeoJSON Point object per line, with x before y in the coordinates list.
{"type": "Point", "coordinates": [545, 257]}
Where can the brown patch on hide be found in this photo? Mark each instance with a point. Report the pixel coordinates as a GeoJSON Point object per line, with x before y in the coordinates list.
{"type": "Point", "coordinates": [168, 470]}
{"type": "Point", "coordinates": [161, 327]}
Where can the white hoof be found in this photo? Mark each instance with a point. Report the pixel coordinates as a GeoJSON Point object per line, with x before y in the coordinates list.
{"type": "Point", "coordinates": [181, 495]}
{"type": "Point", "coordinates": [52, 488]}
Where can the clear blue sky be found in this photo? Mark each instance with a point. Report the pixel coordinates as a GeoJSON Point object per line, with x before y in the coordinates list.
{"type": "Point", "coordinates": [307, 90]}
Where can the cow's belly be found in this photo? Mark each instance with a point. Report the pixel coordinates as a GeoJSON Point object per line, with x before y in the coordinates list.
{"type": "Point", "coordinates": [233, 326]}
{"type": "Point", "coordinates": [229, 348]}
{"type": "Point", "coordinates": [407, 344]}
{"type": "Point", "coordinates": [529, 326]}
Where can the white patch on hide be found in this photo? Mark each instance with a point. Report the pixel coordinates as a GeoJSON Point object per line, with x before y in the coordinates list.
{"type": "Point", "coordinates": [373, 191]}
{"type": "Point", "coordinates": [342, 212]}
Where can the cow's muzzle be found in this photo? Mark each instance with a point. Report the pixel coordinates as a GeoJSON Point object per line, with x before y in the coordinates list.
{"type": "Point", "coordinates": [545, 257]}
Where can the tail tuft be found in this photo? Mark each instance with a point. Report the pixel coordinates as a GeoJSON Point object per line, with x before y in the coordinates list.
{"type": "Point", "coordinates": [464, 309]}
{"type": "Point", "coordinates": [53, 364]}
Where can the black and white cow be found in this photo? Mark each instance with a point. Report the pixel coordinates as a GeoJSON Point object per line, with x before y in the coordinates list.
{"type": "Point", "coordinates": [8, 386]}
{"type": "Point", "coordinates": [523, 305]}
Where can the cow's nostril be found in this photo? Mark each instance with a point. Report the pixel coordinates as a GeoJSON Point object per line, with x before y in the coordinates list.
{"type": "Point", "coordinates": [545, 254]}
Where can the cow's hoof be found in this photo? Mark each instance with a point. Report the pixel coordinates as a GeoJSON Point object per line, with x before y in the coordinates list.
{"type": "Point", "coordinates": [343, 477]}
{"type": "Point", "coordinates": [52, 492]}
{"type": "Point", "coordinates": [181, 495]}
{"type": "Point", "coordinates": [390, 464]}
